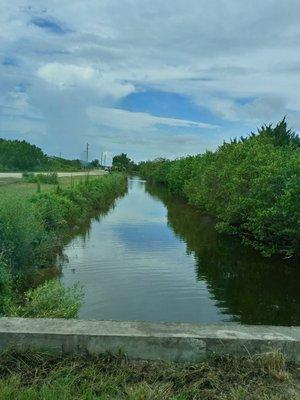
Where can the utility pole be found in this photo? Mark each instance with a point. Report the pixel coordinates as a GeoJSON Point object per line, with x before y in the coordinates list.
{"type": "Point", "coordinates": [101, 162]}
{"type": "Point", "coordinates": [87, 152]}
{"type": "Point", "coordinates": [104, 159]}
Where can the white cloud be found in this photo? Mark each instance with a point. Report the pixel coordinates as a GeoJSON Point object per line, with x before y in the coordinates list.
{"type": "Point", "coordinates": [68, 75]}
{"type": "Point", "coordinates": [137, 121]}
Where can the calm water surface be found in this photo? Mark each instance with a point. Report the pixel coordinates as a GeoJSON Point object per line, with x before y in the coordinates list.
{"type": "Point", "coordinates": [154, 258]}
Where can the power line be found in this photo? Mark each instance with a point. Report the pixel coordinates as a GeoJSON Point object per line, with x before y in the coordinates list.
{"type": "Point", "coordinates": [87, 152]}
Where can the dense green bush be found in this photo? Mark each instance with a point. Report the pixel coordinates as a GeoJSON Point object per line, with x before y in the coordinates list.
{"type": "Point", "coordinates": [50, 178]}
{"type": "Point", "coordinates": [28, 176]}
{"type": "Point", "coordinates": [62, 164]}
{"type": "Point", "coordinates": [251, 185]}
{"type": "Point", "coordinates": [22, 236]}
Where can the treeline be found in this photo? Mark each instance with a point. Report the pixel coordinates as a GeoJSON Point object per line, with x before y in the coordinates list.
{"type": "Point", "coordinates": [252, 186]}
{"type": "Point", "coordinates": [32, 232]}
{"type": "Point", "coordinates": [16, 155]}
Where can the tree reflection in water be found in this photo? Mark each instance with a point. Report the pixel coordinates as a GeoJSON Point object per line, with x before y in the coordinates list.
{"type": "Point", "coordinates": [253, 289]}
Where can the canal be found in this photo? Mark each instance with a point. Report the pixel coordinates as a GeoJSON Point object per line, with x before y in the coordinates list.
{"type": "Point", "coordinates": [155, 258]}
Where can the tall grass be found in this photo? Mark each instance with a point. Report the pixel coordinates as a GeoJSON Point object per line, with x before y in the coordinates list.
{"type": "Point", "coordinates": [49, 300]}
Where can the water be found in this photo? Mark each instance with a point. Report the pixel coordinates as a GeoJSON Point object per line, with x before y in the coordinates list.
{"type": "Point", "coordinates": [154, 258]}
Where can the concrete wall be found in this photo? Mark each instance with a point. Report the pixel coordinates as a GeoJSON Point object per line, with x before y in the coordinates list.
{"type": "Point", "coordinates": [141, 340]}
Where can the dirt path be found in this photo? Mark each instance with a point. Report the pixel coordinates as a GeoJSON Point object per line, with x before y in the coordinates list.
{"type": "Point", "coordinates": [18, 175]}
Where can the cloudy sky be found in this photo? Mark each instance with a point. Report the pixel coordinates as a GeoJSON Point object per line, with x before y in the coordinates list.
{"type": "Point", "coordinates": [150, 78]}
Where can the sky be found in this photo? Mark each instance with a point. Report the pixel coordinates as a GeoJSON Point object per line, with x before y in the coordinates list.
{"type": "Point", "coordinates": [148, 78]}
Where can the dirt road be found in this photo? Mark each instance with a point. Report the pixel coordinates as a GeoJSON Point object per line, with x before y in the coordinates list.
{"type": "Point", "coordinates": [18, 175]}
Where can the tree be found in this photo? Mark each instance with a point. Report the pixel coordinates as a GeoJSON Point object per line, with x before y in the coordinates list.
{"type": "Point", "coordinates": [20, 155]}
{"type": "Point", "coordinates": [95, 163]}
{"type": "Point", "coordinates": [16, 155]}
{"type": "Point", "coordinates": [123, 163]}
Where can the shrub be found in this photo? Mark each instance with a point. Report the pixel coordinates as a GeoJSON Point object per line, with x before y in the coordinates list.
{"type": "Point", "coordinates": [22, 236]}
{"type": "Point", "coordinates": [251, 185]}
{"type": "Point", "coordinates": [28, 176]}
{"type": "Point", "coordinates": [53, 209]}
{"type": "Point", "coordinates": [50, 178]}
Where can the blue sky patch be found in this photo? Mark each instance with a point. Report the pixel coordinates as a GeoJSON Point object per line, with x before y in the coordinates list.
{"type": "Point", "coordinates": [10, 62]}
{"type": "Point", "coordinates": [167, 104]}
{"type": "Point", "coordinates": [50, 25]}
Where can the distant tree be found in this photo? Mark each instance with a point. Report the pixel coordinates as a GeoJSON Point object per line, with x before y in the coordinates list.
{"type": "Point", "coordinates": [123, 163]}
{"type": "Point", "coordinates": [279, 135]}
{"type": "Point", "coordinates": [17, 155]}
{"type": "Point", "coordinates": [95, 163]}
{"type": "Point", "coordinates": [21, 155]}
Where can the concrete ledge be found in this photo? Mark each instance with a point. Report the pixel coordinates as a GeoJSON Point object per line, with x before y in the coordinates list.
{"type": "Point", "coordinates": [148, 341]}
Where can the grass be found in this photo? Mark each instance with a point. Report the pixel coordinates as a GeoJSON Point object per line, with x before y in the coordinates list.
{"type": "Point", "coordinates": [49, 300]}
{"type": "Point", "coordinates": [12, 186]}
{"type": "Point", "coordinates": [42, 376]}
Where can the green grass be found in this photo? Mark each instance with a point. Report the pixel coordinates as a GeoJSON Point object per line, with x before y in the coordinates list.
{"type": "Point", "coordinates": [49, 300]}
{"type": "Point", "coordinates": [41, 376]}
{"type": "Point", "coordinates": [12, 186]}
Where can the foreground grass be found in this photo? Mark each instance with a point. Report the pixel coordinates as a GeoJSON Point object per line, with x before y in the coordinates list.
{"type": "Point", "coordinates": [40, 376]}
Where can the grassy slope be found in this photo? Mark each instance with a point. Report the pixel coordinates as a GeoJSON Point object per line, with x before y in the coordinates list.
{"type": "Point", "coordinates": [39, 376]}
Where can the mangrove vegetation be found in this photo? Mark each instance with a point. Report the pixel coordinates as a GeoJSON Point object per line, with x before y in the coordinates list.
{"type": "Point", "coordinates": [251, 185]}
